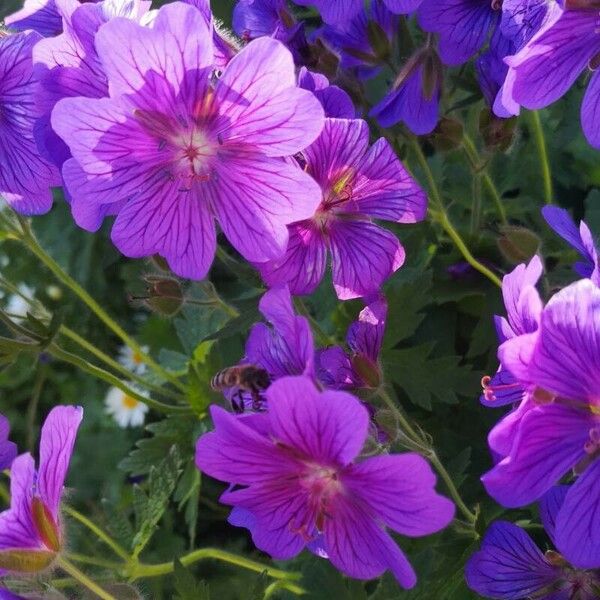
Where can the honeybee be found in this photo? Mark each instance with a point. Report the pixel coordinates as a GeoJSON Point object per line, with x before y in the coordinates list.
{"type": "Point", "coordinates": [246, 378]}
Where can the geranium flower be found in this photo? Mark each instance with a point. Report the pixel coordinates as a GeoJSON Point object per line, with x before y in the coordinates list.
{"type": "Point", "coordinates": [31, 532]}
{"type": "Point", "coordinates": [560, 433]}
{"type": "Point", "coordinates": [8, 450]}
{"type": "Point", "coordinates": [180, 149]}
{"type": "Point", "coordinates": [361, 368]}
{"type": "Point", "coordinates": [550, 63]}
{"type": "Point", "coordinates": [579, 238]}
{"type": "Point", "coordinates": [25, 177]}
{"type": "Point", "coordinates": [299, 482]}
{"type": "Point", "coordinates": [358, 184]}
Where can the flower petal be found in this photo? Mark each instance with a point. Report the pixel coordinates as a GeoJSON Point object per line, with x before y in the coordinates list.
{"type": "Point", "coordinates": [338, 151]}
{"type": "Point", "coordinates": [577, 531]}
{"type": "Point", "coordinates": [167, 220]}
{"type": "Point", "coordinates": [359, 548]}
{"type": "Point", "coordinates": [365, 336]}
{"type": "Point", "coordinates": [590, 111]}
{"type": "Point", "coordinates": [549, 442]}
{"type": "Point", "coordinates": [58, 436]}
{"type": "Point", "coordinates": [8, 449]}
{"type": "Point", "coordinates": [17, 529]}
{"type": "Point", "coordinates": [363, 256]}
{"type": "Point", "coordinates": [383, 188]}
{"type": "Point", "coordinates": [328, 427]}
{"type": "Point", "coordinates": [237, 453]}
{"type": "Point", "coordinates": [261, 104]}
{"type": "Point", "coordinates": [303, 265]}
{"type": "Point", "coordinates": [509, 565]}
{"type": "Point", "coordinates": [136, 57]}
{"type": "Point", "coordinates": [255, 197]}
{"type": "Point", "coordinates": [400, 489]}
{"type": "Point", "coordinates": [554, 58]}
{"type": "Point", "coordinates": [550, 506]}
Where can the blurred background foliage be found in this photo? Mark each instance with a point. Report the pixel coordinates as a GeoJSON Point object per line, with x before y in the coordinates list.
{"type": "Point", "coordinates": [439, 343]}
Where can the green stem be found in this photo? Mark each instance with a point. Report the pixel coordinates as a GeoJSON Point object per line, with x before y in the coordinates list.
{"type": "Point", "coordinates": [99, 373]}
{"type": "Point", "coordinates": [33, 245]}
{"type": "Point", "coordinates": [439, 214]}
{"type": "Point", "coordinates": [38, 385]}
{"type": "Point", "coordinates": [81, 341]}
{"type": "Point", "coordinates": [83, 579]}
{"type": "Point", "coordinates": [97, 562]}
{"type": "Point", "coordinates": [98, 532]}
{"type": "Point", "coordinates": [428, 452]}
{"type": "Point", "coordinates": [476, 165]}
{"type": "Point", "coordinates": [540, 142]}
{"type": "Point", "coordinates": [139, 570]}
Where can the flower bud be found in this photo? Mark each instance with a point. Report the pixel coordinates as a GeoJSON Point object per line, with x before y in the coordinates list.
{"type": "Point", "coordinates": [165, 295]}
{"type": "Point", "coordinates": [379, 42]}
{"type": "Point", "coordinates": [518, 244]}
{"type": "Point", "coordinates": [447, 135]}
{"type": "Point", "coordinates": [367, 370]}
{"type": "Point", "coordinates": [498, 134]}
{"type": "Point", "coordinates": [45, 525]}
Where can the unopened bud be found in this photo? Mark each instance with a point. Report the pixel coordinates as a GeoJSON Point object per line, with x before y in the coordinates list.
{"type": "Point", "coordinates": [165, 295]}
{"type": "Point", "coordinates": [518, 244]}
{"type": "Point", "coordinates": [367, 370]}
{"type": "Point", "coordinates": [447, 135]}
{"type": "Point", "coordinates": [378, 40]}
{"type": "Point", "coordinates": [497, 133]}
{"type": "Point", "coordinates": [433, 73]}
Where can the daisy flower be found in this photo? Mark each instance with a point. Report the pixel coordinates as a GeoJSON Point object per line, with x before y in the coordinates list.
{"type": "Point", "coordinates": [126, 411]}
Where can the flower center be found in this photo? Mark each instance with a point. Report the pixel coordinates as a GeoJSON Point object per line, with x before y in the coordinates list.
{"type": "Point", "coordinates": [128, 402]}
{"type": "Point", "coordinates": [323, 485]}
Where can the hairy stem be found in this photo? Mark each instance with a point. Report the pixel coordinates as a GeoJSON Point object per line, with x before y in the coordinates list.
{"type": "Point", "coordinates": [139, 570]}
{"type": "Point", "coordinates": [476, 165]}
{"type": "Point", "coordinates": [98, 532]}
{"type": "Point", "coordinates": [60, 354]}
{"type": "Point", "coordinates": [540, 143]}
{"type": "Point", "coordinates": [428, 452]}
{"type": "Point", "coordinates": [33, 245]}
{"type": "Point", "coordinates": [83, 579]}
{"type": "Point", "coordinates": [440, 215]}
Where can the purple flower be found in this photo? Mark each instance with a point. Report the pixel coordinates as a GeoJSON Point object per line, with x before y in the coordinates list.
{"type": "Point", "coordinates": [521, 20]}
{"type": "Point", "coordinates": [548, 65]}
{"type": "Point", "coordinates": [581, 239]}
{"type": "Point", "coordinates": [509, 566]}
{"type": "Point", "coordinates": [180, 150]}
{"type": "Point", "coordinates": [403, 7]}
{"type": "Point", "coordinates": [360, 369]}
{"type": "Point", "coordinates": [463, 26]}
{"type": "Point", "coordinates": [334, 11]}
{"type": "Point", "coordinates": [285, 348]}
{"type": "Point", "coordinates": [257, 18]}
{"type": "Point", "coordinates": [42, 16]}
{"type": "Point", "coordinates": [31, 532]}
{"type": "Point", "coordinates": [560, 364]}
{"type": "Point", "coordinates": [8, 450]}
{"type": "Point", "coordinates": [524, 308]}
{"type": "Point", "coordinates": [358, 184]}
{"type": "Point", "coordinates": [336, 102]}
{"type": "Point", "coordinates": [304, 486]}
{"type": "Point", "coordinates": [353, 38]}
{"type": "Point", "coordinates": [414, 97]}
{"type": "Point", "coordinates": [69, 65]}
{"type": "Point", "coordinates": [25, 177]}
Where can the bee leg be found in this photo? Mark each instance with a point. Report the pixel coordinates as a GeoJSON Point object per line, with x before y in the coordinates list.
{"type": "Point", "coordinates": [256, 400]}
{"type": "Point", "coordinates": [237, 402]}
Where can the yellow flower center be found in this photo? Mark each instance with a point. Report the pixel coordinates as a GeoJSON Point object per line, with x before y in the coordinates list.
{"type": "Point", "coordinates": [128, 402]}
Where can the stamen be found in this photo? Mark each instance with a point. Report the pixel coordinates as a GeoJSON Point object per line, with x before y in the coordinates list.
{"type": "Point", "coordinates": [489, 390]}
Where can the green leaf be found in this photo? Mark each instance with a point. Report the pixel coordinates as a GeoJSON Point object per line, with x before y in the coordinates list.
{"type": "Point", "coordinates": [187, 495]}
{"type": "Point", "coordinates": [151, 504]}
{"type": "Point", "coordinates": [186, 586]}
{"type": "Point", "coordinates": [424, 378]}
{"type": "Point", "coordinates": [174, 430]}
{"type": "Point", "coordinates": [406, 304]}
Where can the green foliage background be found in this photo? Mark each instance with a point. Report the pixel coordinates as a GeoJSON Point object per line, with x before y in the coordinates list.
{"type": "Point", "coordinates": [440, 342]}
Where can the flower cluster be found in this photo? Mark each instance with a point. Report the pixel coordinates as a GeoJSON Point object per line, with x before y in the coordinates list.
{"type": "Point", "coordinates": [178, 132]}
